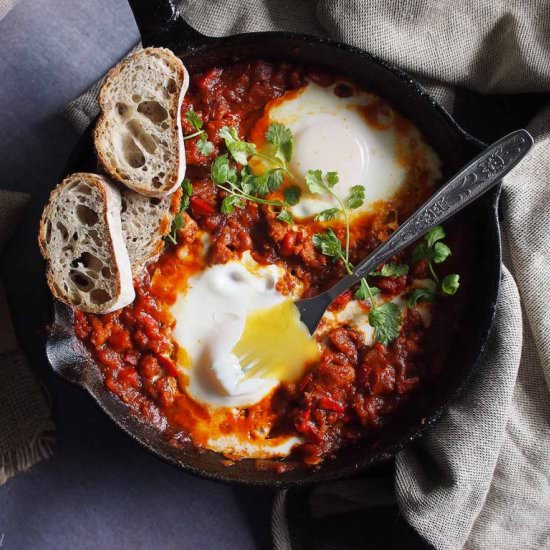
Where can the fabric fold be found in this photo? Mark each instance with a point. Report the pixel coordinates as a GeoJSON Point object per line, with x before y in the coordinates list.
{"type": "Point", "coordinates": [481, 477]}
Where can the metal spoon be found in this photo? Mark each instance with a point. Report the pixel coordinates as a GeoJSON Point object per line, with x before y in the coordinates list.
{"type": "Point", "coordinates": [475, 179]}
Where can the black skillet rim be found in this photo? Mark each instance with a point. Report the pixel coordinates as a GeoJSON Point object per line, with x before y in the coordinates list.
{"type": "Point", "coordinates": [415, 432]}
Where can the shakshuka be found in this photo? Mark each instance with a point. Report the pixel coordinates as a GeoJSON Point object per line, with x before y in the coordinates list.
{"type": "Point", "coordinates": [293, 176]}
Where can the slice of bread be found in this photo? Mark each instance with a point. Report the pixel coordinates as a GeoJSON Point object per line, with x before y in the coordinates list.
{"type": "Point", "coordinates": [138, 137]}
{"type": "Point", "coordinates": [145, 221]}
{"type": "Point", "coordinates": [81, 240]}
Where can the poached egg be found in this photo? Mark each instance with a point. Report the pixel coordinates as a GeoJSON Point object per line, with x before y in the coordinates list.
{"type": "Point", "coordinates": [360, 137]}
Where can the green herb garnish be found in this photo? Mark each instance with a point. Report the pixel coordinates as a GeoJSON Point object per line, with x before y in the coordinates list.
{"type": "Point", "coordinates": [282, 140]}
{"type": "Point", "coordinates": [391, 270]}
{"type": "Point", "coordinates": [356, 197]}
{"type": "Point", "coordinates": [243, 185]}
{"type": "Point", "coordinates": [435, 252]}
{"type": "Point", "coordinates": [420, 295]}
{"type": "Point", "coordinates": [292, 195]}
{"type": "Point", "coordinates": [450, 284]}
{"type": "Point", "coordinates": [329, 245]}
{"type": "Point", "coordinates": [178, 221]}
{"type": "Point", "coordinates": [364, 291]}
{"type": "Point", "coordinates": [327, 215]}
{"type": "Point", "coordinates": [385, 319]}
{"type": "Point", "coordinates": [285, 216]}
{"type": "Point", "coordinates": [320, 185]}
{"type": "Point", "coordinates": [204, 146]}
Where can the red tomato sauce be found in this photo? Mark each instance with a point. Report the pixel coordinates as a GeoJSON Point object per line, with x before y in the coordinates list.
{"type": "Point", "coordinates": [355, 389]}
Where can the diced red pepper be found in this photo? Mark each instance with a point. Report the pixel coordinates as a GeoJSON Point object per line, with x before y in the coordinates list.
{"type": "Point", "coordinates": [288, 246]}
{"type": "Point", "coordinates": [330, 404]}
{"type": "Point", "coordinates": [167, 365]}
{"type": "Point", "coordinates": [200, 207]}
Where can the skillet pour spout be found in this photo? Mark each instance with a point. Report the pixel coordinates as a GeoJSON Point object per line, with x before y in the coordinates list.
{"type": "Point", "coordinates": [161, 25]}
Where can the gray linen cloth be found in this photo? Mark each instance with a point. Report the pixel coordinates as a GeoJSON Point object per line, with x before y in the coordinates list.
{"type": "Point", "coordinates": [26, 425]}
{"type": "Point", "coordinates": [481, 477]}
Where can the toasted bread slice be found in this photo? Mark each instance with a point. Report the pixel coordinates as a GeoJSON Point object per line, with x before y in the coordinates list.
{"type": "Point", "coordinates": [138, 137]}
{"type": "Point", "coordinates": [81, 240]}
{"type": "Point", "coordinates": [145, 221]}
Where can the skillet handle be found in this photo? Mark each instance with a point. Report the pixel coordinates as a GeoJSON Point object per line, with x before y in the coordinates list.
{"type": "Point", "coordinates": [160, 24]}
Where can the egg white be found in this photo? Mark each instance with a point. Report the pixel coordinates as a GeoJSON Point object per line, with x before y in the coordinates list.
{"type": "Point", "coordinates": [355, 317]}
{"type": "Point", "coordinates": [332, 135]}
{"type": "Point", "coordinates": [210, 319]}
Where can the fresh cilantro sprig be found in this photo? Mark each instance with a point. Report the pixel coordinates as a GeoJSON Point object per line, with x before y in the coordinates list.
{"type": "Point", "coordinates": [178, 221]}
{"type": "Point", "coordinates": [244, 185]}
{"type": "Point", "coordinates": [282, 141]}
{"type": "Point", "coordinates": [203, 145]}
{"type": "Point", "coordinates": [286, 216]}
{"type": "Point", "coordinates": [391, 270]}
{"type": "Point", "coordinates": [281, 146]}
{"type": "Point", "coordinates": [240, 186]}
{"type": "Point", "coordinates": [420, 295]}
{"type": "Point", "coordinates": [292, 195]}
{"type": "Point", "coordinates": [385, 318]}
{"type": "Point", "coordinates": [319, 184]}
{"type": "Point", "coordinates": [432, 249]}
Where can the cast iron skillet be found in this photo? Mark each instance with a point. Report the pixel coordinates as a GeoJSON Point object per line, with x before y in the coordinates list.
{"type": "Point", "coordinates": [160, 25]}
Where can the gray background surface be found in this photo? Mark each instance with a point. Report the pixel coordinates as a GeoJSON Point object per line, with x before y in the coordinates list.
{"type": "Point", "coordinates": [100, 489]}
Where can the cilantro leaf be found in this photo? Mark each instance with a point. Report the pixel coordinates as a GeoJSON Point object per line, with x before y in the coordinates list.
{"type": "Point", "coordinates": [385, 321]}
{"type": "Point", "coordinates": [420, 295]}
{"type": "Point", "coordinates": [332, 178]}
{"type": "Point", "coordinates": [178, 222]}
{"type": "Point", "coordinates": [422, 251]}
{"type": "Point", "coordinates": [440, 252]}
{"type": "Point", "coordinates": [285, 216]}
{"type": "Point", "coordinates": [194, 119]}
{"type": "Point", "coordinates": [391, 270]}
{"type": "Point", "coordinates": [314, 182]}
{"type": "Point", "coordinates": [434, 234]}
{"type": "Point", "coordinates": [356, 197]}
{"type": "Point", "coordinates": [362, 293]}
{"type": "Point", "coordinates": [239, 150]}
{"type": "Point", "coordinates": [247, 180]}
{"type": "Point", "coordinates": [450, 284]}
{"type": "Point", "coordinates": [437, 253]}
{"type": "Point", "coordinates": [326, 215]}
{"type": "Point", "coordinates": [221, 172]}
{"type": "Point", "coordinates": [318, 185]}
{"type": "Point", "coordinates": [187, 188]}
{"type": "Point", "coordinates": [229, 204]}
{"type": "Point", "coordinates": [282, 140]}
{"type": "Point", "coordinates": [204, 146]}
{"type": "Point", "coordinates": [292, 195]}
{"type": "Point", "coordinates": [268, 182]}
{"type": "Point", "coordinates": [328, 243]}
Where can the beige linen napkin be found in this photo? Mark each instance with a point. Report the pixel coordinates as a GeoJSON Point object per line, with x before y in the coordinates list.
{"type": "Point", "coordinates": [481, 477]}
{"type": "Point", "coordinates": [26, 426]}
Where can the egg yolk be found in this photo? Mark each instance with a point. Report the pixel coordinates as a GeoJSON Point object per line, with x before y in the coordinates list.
{"type": "Point", "coordinates": [276, 344]}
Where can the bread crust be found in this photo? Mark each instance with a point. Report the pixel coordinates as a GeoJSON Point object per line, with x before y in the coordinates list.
{"type": "Point", "coordinates": [178, 170]}
{"type": "Point", "coordinates": [141, 259]}
{"type": "Point", "coordinates": [119, 268]}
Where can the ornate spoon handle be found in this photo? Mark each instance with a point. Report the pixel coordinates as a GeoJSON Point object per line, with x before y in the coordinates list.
{"type": "Point", "coordinates": [487, 169]}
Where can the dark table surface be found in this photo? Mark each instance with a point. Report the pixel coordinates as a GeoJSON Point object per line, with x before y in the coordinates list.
{"type": "Point", "coordinates": [99, 489]}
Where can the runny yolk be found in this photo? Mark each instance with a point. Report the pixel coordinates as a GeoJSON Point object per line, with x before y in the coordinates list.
{"type": "Point", "coordinates": [276, 344]}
